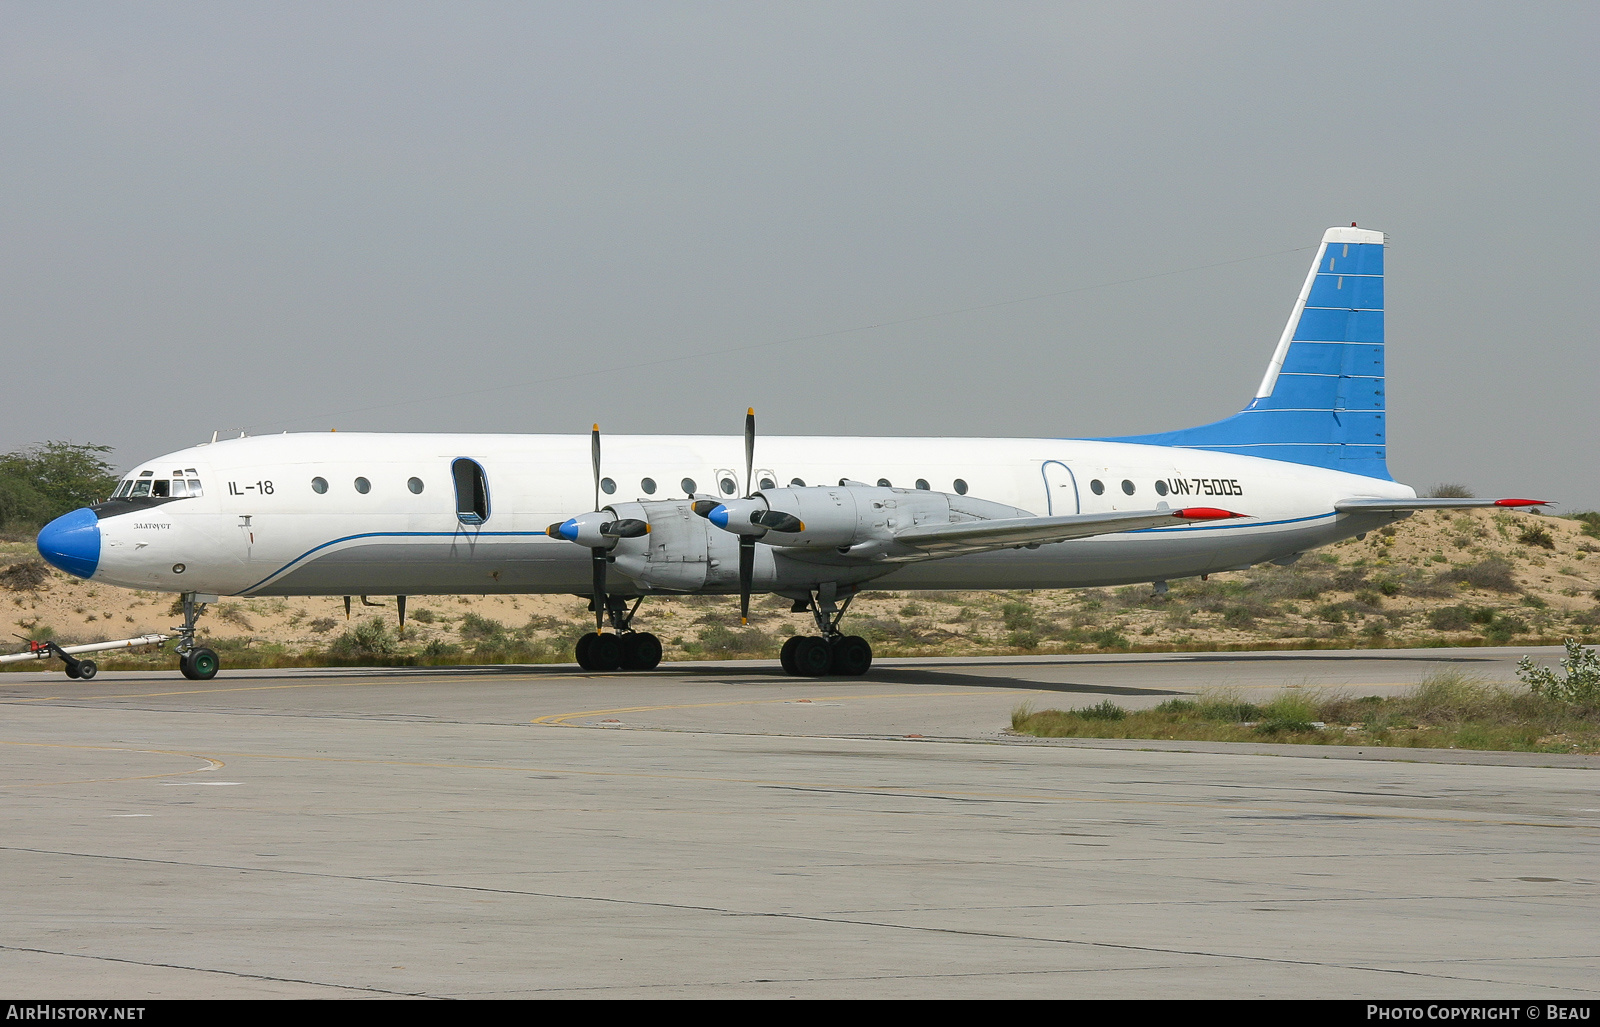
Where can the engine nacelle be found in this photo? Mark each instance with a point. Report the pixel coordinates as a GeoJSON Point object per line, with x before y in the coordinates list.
{"type": "Point", "coordinates": [843, 516]}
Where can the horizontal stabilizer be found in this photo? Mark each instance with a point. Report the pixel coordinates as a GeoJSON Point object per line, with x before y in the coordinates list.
{"type": "Point", "coordinates": [976, 536]}
{"type": "Point", "coordinates": [1396, 505]}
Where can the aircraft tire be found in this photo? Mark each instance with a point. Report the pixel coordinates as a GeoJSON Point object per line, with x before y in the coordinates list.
{"type": "Point", "coordinates": [605, 653]}
{"type": "Point", "coordinates": [786, 656]}
{"type": "Point", "coordinates": [813, 656]}
{"type": "Point", "coordinates": [852, 656]}
{"type": "Point", "coordinates": [72, 670]}
{"type": "Point", "coordinates": [640, 651]}
{"type": "Point", "coordinates": [581, 650]}
{"type": "Point", "coordinates": [204, 664]}
{"type": "Point", "coordinates": [87, 669]}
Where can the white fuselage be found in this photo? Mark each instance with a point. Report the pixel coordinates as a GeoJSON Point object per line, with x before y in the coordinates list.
{"type": "Point", "coordinates": [260, 528]}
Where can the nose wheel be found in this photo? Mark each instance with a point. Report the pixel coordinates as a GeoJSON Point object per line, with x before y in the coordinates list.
{"type": "Point", "coordinates": [194, 662]}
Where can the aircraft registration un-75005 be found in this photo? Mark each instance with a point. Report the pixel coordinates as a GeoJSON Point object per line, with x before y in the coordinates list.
{"type": "Point", "coordinates": [811, 519]}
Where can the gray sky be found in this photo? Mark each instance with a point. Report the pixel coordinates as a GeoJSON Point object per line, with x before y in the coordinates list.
{"type": "Point", "coordinates": [529, 217]}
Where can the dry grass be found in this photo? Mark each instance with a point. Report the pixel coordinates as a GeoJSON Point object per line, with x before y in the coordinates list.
{"type": "Point", "coordinates": [1447, 709]}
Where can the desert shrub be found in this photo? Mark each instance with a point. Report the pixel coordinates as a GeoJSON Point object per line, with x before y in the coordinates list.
{"type": "Point", "coordinates": [1493, 574]}
{"type": "Point", "coordinates": [726, 642]}
{"type": "Point", "coordinates": [1018, 616]}
{"type": "Point", "coordinates": [370, 639]}
{"type": "Point", "coordinates": [1451, 491]}
{"type": "Point", "coordinates": [1450, 696]}
{"type": "Point", "coordinates": [423, 615]}
{"type": "Point", "coordinates": [1578, 684]}
{"type": "Point", "coordinates": [233, 613]}
{"type": "Point", "coordinates": [1289, 711]}
{"type": "Point", "coordinates": [1536, 535]}
{"type": "Point", "coordinates": [1451, 618]}
{"type": "Point", "coordinates": [323, 625]}
{"type": "Point", "coordinates": [1503, 626]}
{"type": "Point", "coordinates": [1024, 639]}
{"type": "Point", "coordinates": [1590, 520]}
{"type": "Point", "coordinates": [1103, 710]}
{"type": "Point", "coordinates": [26, 576]}
{"type": "Point", "coordinates": [475, 628]}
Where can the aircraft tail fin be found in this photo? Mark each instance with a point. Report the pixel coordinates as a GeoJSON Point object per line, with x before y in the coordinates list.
{"type": "Point", "coordinates": [1321, 401]}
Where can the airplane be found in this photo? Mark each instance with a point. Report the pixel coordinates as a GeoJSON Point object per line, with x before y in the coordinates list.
{"type": "Point", "coordinates": [812, 519]}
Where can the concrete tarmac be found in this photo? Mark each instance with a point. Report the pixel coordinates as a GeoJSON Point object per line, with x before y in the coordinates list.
{"type": "Point", "coordinates": [719, 829]}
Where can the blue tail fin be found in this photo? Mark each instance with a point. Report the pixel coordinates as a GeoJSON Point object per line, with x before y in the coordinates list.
{"type": "Point", "coordinates": [1321, 401]}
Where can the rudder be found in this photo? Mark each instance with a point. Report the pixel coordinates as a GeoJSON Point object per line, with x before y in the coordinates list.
{"type": "Point", "coordinates": [1321, 401]}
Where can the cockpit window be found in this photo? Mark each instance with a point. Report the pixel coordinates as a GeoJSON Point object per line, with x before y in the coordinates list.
{"type": "Point", "coordinates": [180, 487]}
{"type": "Point", "coordinates": [160, 488]}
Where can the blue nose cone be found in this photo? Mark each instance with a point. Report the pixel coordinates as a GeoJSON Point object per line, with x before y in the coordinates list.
{"type": "Point", "coordinates": [718, 516]}
{"type": "Point", "coordinates": [72, 542]}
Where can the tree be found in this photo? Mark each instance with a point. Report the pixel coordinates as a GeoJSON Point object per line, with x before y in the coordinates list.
{"type": "Point", "coordinates": [43, 482]}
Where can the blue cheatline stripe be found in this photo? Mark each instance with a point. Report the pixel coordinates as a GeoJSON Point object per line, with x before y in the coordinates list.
{"type": "Point", "coordinates": [392, 534]}
{"type": "Point", "coordinates": [1209, 526]}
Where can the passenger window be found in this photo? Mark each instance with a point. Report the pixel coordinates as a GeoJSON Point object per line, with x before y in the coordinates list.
{"type": "Point", "coordinates": [922, 484]}
{"type": "Point", "coordinates": [768, 483]}
{"type": "Point", "coordinates": [472, 491]}
{"type": "Point", "coordinates": [1161, 488]}
{"type": "Point", "coordinates": [688, 486]}
{"type": "Point", "coordinates": [727, 485]}
{"type": "Point", "coordinates": [961, 487]}
{"type": "Point", "coordinates": [363, 486]}
{"type": "Point", "coordinates": [608, 486]}
{"type": "Point", "coordinates": [797, 483]}
{"type": "Point", "coordinates": [161, 489]}
{"type": "Point", "coordinates": [1127, 486]}
{"type": "Point", "coordinates": [319, 485]}
{"type": "Point", "coordinates": [648, 485]}
{"type": "Point", "coordinates": [415, 485]}
{"type": "Point", "coordinates": [1098, 487]}
{"type": "Point", "coordinates": [884, 483]}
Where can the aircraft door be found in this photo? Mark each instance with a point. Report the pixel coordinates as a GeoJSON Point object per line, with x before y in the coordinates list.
{"type": "Point", "coordinates": [1060, 489]}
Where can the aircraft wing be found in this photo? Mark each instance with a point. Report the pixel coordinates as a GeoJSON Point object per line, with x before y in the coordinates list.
{"type": "Point", "coordinates": [1011, 532]}
{"type": "Point", "coordinates": [1398, 505]}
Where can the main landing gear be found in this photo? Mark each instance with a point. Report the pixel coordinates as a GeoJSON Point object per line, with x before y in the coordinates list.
{"type": "Point", "coordinates": [196, 664]}
{"type": "Point", "coordinates": [832, 652]}
{"type": "Point", "coordinates": [627, 649]}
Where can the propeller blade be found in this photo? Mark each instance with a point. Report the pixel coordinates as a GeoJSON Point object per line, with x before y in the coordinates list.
{"type": "Point", "coordinates": [747, 568]}
{"type": "Point", "coordinates": [749, 451]}
{"type": "Point", "coordinates": [597, 560]}
{"type": "Point", "coordinates": [594, 456]}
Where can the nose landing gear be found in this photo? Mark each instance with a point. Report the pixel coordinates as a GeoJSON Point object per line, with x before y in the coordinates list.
{"type": "Point", "coordinates": [627, 649]}
{"type": "Point", "coordinates": [195, 663]}
{"type": "Point", "coordinates": [833, 652]}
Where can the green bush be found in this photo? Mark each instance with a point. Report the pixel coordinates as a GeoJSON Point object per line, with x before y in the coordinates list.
{"type": "Point", "coordinates": [1580, 683]}
{"type": "Point", "coordinates": [1103, 710]}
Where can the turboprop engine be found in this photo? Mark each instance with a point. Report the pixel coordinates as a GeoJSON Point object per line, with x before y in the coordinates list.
{"type": "Point", "coordinates": [845, 516]}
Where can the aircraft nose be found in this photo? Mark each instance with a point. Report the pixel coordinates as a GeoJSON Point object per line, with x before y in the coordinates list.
{"type": "Point", "coordinates": [72, 542]}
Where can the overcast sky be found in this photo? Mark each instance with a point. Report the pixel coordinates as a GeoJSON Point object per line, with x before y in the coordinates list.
{"type": "Point", "coordinates": [990, 218]}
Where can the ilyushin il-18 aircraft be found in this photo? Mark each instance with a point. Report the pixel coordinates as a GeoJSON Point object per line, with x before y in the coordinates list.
{"type": "Point", "coordinates": [810, 519]}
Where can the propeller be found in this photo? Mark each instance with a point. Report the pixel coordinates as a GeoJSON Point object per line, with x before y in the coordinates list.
{"type": "Point", "coordinates": [597, 555]}
{"type": "Point", "coordinates": [747, 543]}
